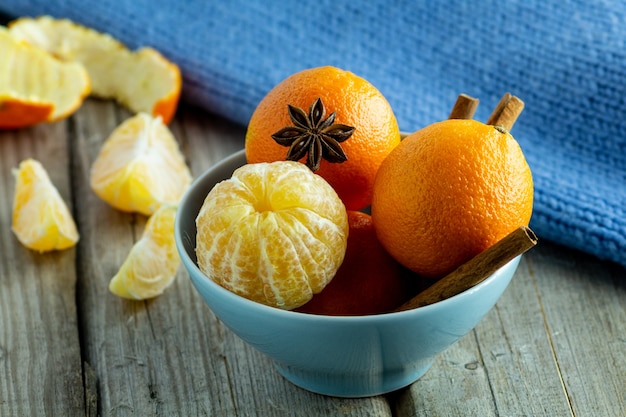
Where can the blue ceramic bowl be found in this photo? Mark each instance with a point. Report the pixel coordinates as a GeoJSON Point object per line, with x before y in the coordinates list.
{"type": "Point", "coordinates": [338, 356]}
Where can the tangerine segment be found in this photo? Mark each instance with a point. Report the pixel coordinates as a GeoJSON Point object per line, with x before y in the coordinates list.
{"type": "Point", "coordinates": [274, 233]}
{"type": "Point", "coordinates": [356, 103]}
{"type": "Point", "coordinates": [448, 192]}
{"type": "Point", "coordinates": [33, 80]}
{"type": "Point", "coordinates": [140, 167]}
{"type": "Point", "coordinates": [41, 220]}
{"type": "Point", "coordinates": [143, 80]}
{"type": "Point", "coordinates": [151, 264]}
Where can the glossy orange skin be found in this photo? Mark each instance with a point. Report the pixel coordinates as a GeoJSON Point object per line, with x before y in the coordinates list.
{"type": "Point", "coordinates": [448, 192]}
{"type": "Point", "coordinates": [356, 103]}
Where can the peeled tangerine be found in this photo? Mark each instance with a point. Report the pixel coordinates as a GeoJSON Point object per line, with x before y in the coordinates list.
{"type": "Point", "coordinates": [274, 233]}
{"type": "Point", "coordinates": [151, 265]}
{"type": "Point", "coordinates": [140, 167]}
{"type": "Point", "coordinates": [41, 220]}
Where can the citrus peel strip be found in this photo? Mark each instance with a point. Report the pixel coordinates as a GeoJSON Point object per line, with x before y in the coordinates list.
{"type": "Point", "coordinates": [34, 86]}
{"type": "Point", "coordinates": [142, 80]}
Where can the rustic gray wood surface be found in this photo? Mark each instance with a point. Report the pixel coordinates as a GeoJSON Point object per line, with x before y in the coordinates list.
{"type": "Point", "coordinates": [554, 345]}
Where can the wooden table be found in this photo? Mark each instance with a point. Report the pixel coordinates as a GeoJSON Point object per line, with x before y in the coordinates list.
{"type": "Point", "coordinates": [554, 345]}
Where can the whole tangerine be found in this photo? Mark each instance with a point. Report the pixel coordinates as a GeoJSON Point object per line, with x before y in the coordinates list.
{"type": "Point", "coordinates": [333, 120]}
{"type": "Point", "coordinates": [448, 192]}
{"type": "Point", "coordinates": [369, 281]}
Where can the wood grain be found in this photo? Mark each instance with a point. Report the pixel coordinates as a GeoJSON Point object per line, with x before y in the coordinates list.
{"type": "Point", "coordinates": [516, 353]}
{"type": "Point", "coordinates": [553, 345]}
{"type": "Point", "coordinates": [583, 302]}
{"type": "Point", "coordinates": [40, 358]}
{"type": "Point", "coordinates": [169, 355]}
{"type": "Point", "coordinates": [505, 367]}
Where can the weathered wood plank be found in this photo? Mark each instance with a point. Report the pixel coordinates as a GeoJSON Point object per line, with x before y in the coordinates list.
{"type": "Point", "coordinates": [584, 302]}
{"type": "Point", "coordinates": [137, 349]}
{"type": "Point", "coordinates": [456, 385]}
{"type": "Point", "coordinates": [553, 345]}
{"type": "Point", "coordinates": [516, 352]}
{"type": "Point", "coordinates": [170, 355]}
{"type": "Point", "coordinates": [255, 386]}
{"type": "Point", "coordinates": [40, 362]}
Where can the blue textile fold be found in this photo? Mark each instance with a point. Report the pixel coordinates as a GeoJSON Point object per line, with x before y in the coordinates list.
{"type": "Point", "coordinates": [565, 59]}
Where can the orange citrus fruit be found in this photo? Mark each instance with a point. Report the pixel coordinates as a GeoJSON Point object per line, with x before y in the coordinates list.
{"type": "Point", "coordinates": [142, 80]}
{"type": "Point", "coordinates": [351, 122]}
{"type": "Point", "coordinates": [151, 265]}
{"type": "Point", "coordinates": [369, 281]}
{"type": "Point", "coordinates": [41, 219]}
{"type": "Point", "coordinates": [34, 86]}
{"type": "Point", "coordinates": [448, 192]}
{"type": "Point", "coordinates": [274, 233]}
{"type": "Point", "coordinates": [140, 167]}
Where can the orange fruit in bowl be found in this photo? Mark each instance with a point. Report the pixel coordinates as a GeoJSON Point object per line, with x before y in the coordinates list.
{"type": "Point", "coordinates": [274, 233]}
{"type": "Point", "coordinates": [140, 166]}
{"type": "Point", "coordinates": [41, 220]}
{"type": "Point", "coordinates": [35, 87]}
{"type": "Point", "coordinates": [369, 281]}
{"type": "Point", "coordinates": [152, 262]}
{"type": "Point", "coordinates": [142, 80]}
{"type": "Point", "coordinates": [448, 192]}
{"type": "Point", "coordinates": [336, 122]}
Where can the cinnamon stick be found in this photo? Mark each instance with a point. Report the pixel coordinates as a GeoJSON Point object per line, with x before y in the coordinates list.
{"type": "Point", "coordinates": [506, 112]}
{"type": "Point", "coordinates": [476, 269]}
{"type": "Point", "coordinates": [464, 108]}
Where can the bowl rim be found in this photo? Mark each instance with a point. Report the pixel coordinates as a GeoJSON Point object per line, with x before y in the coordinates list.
{"type": "Point", "coordinates": [189, 263]}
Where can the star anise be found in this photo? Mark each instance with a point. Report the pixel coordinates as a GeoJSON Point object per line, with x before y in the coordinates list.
{"type": "Point", "coordinates": [314, 136]}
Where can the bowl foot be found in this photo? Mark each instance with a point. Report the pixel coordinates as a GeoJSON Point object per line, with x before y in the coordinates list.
{"type": "Point", "coordinates": [353, 385]}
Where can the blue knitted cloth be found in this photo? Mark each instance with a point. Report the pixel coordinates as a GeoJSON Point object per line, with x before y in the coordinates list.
{"type": "Point", "coordinates": [566, 59]}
